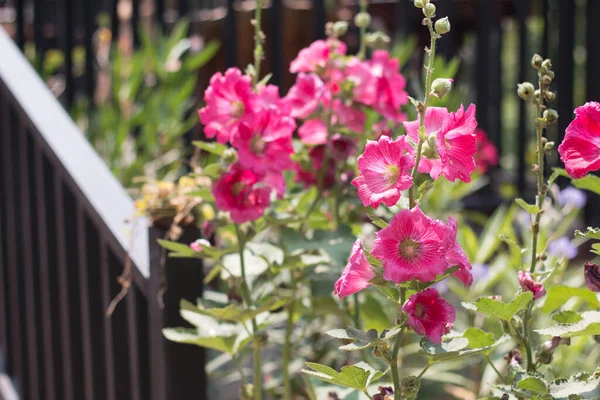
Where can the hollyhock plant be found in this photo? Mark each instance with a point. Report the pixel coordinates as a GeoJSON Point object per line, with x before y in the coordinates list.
{"type": "Point", "coordinates": [313, 131]}
{"type": "Point", "coordinates": [428, 314]}
{"type": "Point", "coordinates": [390, 85]}
{"type": "Point", "coordinates": [529, 284]}
{"type": "Point", "coordinates": [308, 174]}
{"type": "Point", "coordinates": [487, 154]}
{"type": "Point", "coordinates": [592, 276]}
{"type": "Point", "coordinates": [315, 57]}
{"type": "Point", "coordinates": [457, 257]}
{"type": "Point", "coordinates": [356, 275]}
{"type": "Point", "coordinates": [580, 149]}
{"type": "Point", "coordinates": [385, 168]}
{"type": "Point", "coordinates": [306, 95]}
{"type": "Point", "coordinates": [229, 102]}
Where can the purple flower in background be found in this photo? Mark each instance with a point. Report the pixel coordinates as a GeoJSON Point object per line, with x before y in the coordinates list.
{"type": "Point", "coordinates": [572, 196]}
{"type": "Point", "coordinates": [562, 248]}
{"type": "Point", "coordinates": [479, 271]}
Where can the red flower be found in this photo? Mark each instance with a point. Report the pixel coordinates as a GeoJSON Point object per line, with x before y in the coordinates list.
{"type": "Point", "coordinates": [429, 314]}
{"type": "Point", "coordinates": [580, 149]}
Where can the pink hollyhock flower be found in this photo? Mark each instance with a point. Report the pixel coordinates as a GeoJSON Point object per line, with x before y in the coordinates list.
{"type": "Point", "coordinates": [487, 154]}
{"type": "Point", "coordinates": [208, 228]}
{"type": "Point", "coordinates": [390, 85]}
{"type": "Point", "coordinates": [528, 284]}
{"type": "Point", "coordinates": [413, 246]}
{"type": "Point", "coordinates": [356, 274]}
{"type": "Point", "coordinates": [580, 149]}
{"type": "Point", "coordinates": [309, 176]}
{"type": "Point", "coordinates": [457, 256]}
{"type": "Point", "coordinates": [268, 99]}
{"type": "Point", "coordinates": [434, 118]}
{"type": "Point", "coordinates": [591, 272]}
{"type": "Point", "coordinates": [385, 169]}
{"type": "Point", "coordinates": [266, 142]}
{"type": "Point", "coordinates": [348, 116]}
{"type": "Point", "coordinates": [429, 314]}
{"type": "Point", "coordinates": [239, 191]}
{"type": "Point", "coordinates": [457, 144]}
{"type": "Point", "coordinates": [197, 245]}
{"type": "Point", "coordinates": [363, 80]}
{"type": "Point", "coordinates": [229, 102]}
{"type": "Point", "coordinates": [314, 57]}
{"type": "Point", "coordinates": [306, 95]}
{"type": "Point", "coordinates": [313, 131]}
{"type": "Point", "coordinates": [381, 129]}
{"type": "Point", "coordinates": [341, 147]}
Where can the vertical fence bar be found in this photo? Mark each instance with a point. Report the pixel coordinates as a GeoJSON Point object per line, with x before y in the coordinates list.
{"type": "Point", "coordinates": [133, 347]}
{"type": "Point", "coordinates": [446, 44]}
{"type": "Point", "coordinates": [522, 7]}
{"type": "Point", "coordinates": [84, 299]}
{"type": "Point", "coordinates": [495, 117]}
{"type": "Point", "coordinates": [68, 53]}
{"type": "Point", "coordinates": [230, 35]}
{"type": "Point", "coordinates": [105, 278]}
{"type": "Point", "coordinates": [42, 247]}
{"type": "Point", "coordinates": [3, 248]}
{"type": "Point", "coordinates": [484, 18]}
{"type": "Point", "coordinates": [135, 22]}
{"type": "Point", "coordinates": [403, 9]}
{"type": "Point", "coordinates": [29, 282]}
{"type": "Point", "coordinates": [159, 13]}
{"type": "Point", "coordinates": [275, 38]}
{"type": "Point", "coordinates": [20, 22]}
{"type": "Point", "coordinates": [592, 83]}
{"type": "Point", "coordinates": [16, 357]}
{"type": "Point", "coordinates": [183, 8]}
{"type": "Point", "coordinates": [115, 22]}
{"type": "Point", "coordinates": [320, 18]}
{"type": "Point", "coordinates": [38, 25]}
{"type": "Point", "coordinates": [564, 70]}
{"type": "Point", "coordinates": [63, 288]}
{"type": "Point", "coordinates": [89, 27]}
{"type": "Point", "coordinates": [546, 37]}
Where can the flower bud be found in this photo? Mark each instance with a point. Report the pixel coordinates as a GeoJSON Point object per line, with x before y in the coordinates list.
{"type": "Point", "coordinates": [410, 386]}
{"type": "Point", "coordinates": [592, 276]}
{"type": "Point", "coordinates": [230, 156]}
{"type": "Point", "coordinates": [377, 40]}
{"type": "Point", "coordinates": [536, 61]}
{"type": "Point", "coordinates": [440, 87]}
{"type": "Point", "coordinates": [528, 284]}
{"type": "Point", "coordinates": [549, 95]}
{"type": "Point", "coordinates": [549, 146]}
{"type": "Point", "coordinates": [547, 65]}
{"type": "Point", "coordinates": [525, 90]}
{"type": "Point", "coordinates": [198, 244]}
{"type": "Point", "coordinates": [339, 28]}
{"type": "Point", "coordinates": [208, 228]}
{"type": "Point", "coordinates": [550, 115]}
{"type": "Point", "coordinates": [546, 80]}
{"type": "Point", "coordinates": [514, 357]}
{"type": "Point", "coordinates": [362, 19]}
{"type": "Point", "coordinates": [420, 3]}
{"type": "Point", "coordinates": [442, 25]}
{"type": "Point", "coordinates": [429, 10]}
{"type": "Point", "coordinates": [385, 393]}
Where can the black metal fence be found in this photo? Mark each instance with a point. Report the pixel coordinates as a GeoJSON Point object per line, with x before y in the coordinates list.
{"type": "Point", "coordinates": [64, 241]}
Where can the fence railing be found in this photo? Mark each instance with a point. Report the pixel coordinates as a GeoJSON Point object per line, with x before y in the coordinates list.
{"type": "Point", "coordinates": [66, 233]}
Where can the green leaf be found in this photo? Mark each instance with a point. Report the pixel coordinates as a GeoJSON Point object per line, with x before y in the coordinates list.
{"type": "Point", "coordinates": [363, 340]}
{"type": "Point", "coordinates": [588, 325]}
{"type": "Point", "coordinates": [500, 221]}
{"type": "Point", "coordinates": [530, 208]}
{"type": "Point", "coordinates": [205, 193]}
{"type": "Point", "coordinates": [233, 312]}
{"type": "Point", "coordinates": [226, 344]}
{"type": "Point", "coordinates": [533, 384]}
{"type": "Point", "coordinates": [582, 384]}
{"type": "Point", "coordinates": [374, 313]}
{"type": "Point", "coordinates": [591, 233]}
{"type": "Point", "coordinates": [589, 182]}
{"type": "Point", "coordinates": [212, 274]}
{"type": "Point", "coordinates": [557, 296]}
{"type": "Point", "coordinates": [499, 309]}
{"type": "Point", "coordinates": [176, 247]}
{"type": "Point", "coordinates": [478, 338]}
{"type": "Point", "coordinates": [200, 59]}
{"type": "Point", "coordinates": [378, 222]}
{"type": "Point", "coordinates": [211, 147]}
{"type": "Point", "coordinates": [454, 348]}
{"type": "Point", "coordinates": [358, 376]}
{"type": "Point", "coordinates": [566, 317]}
{"type": "Point", "coordinates": [212, 170]}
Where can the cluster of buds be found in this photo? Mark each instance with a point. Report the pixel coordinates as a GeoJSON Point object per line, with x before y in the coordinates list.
{"type": "Point", "coordinates": [336, 29]}
{"type": "Point", "coordinates": [543, 94]}
{"type": "Point", "coordinates": [442, 25]}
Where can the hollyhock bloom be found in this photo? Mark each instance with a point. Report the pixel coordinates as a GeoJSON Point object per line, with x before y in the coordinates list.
{"type": "Point", "coordinates": [239, 191]}
{"type": "Point", "coordinates": [363, 81]}
{"type": "Point", "coordinates": [573, 197]}
{"type": "Point", "coordinates": [341, 147]}
{"type": "Point", "coordinates": [313, 131]}
{"type": "Point", "coordinates": [429, 314]}
{"type": "Point", "coordinates": [528, 284]}
{"type": "Point", "coordinates": [390, 85]}
{"type": "Point", "coordinates": [229, 102]}
{"type": "Point", "coordinates": [381, 129]}
{"type": "Point", "coordinates": [456, 256]}
{"type": "Point", "coordinates": [308, 175]}
{"type": "Point", "coordinates": [580, 149]}
{"type": "Point", "coordinates": [562, 248]}
{"type": "Point", "coordinates": [268, 99]}
{"type": "Point", "coordinates": [348, 116]}
{"type": "Point", "coordinates": [457, 144]}
{"type": "Point", "coordinates": [314, 57]}
{"type": "Point", "coordinates": [197, 245]}
{"type": "Point", "coordinates": [487, 155]}
{"type": "Point", "coordinates": [413, 246]}
{"type": "Point", "coordinates": [306, 95]}
{"type": "Point", "coordinates": [592, 276]}
{"type": "Point", "coordinates": [265, 143]}
{"type": "Point", "coordinates": [385, 169]}
{"type": "Point", "coordinates": [434, 117]}
{"type": "Point", "coordinates": [356, 274]}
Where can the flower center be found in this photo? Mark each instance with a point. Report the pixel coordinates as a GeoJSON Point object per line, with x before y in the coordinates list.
{"type": "Point", "coordinates": [237, 109]}
{"type": "Point", "coordinates": [257, 145]}
{"type": "Point", "coordinates": [391, 174]}
{"type": "Point", "coordinates": [409, 249]}
{"type": "Point", "coordinates": [238, 188]}
{"type": "Point", "coordinates": [419, 310]}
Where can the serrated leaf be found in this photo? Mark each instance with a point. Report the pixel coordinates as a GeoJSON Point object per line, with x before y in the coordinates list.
{"type": "Point", "coordinates": [358, 376]}
{"type": "Point", "coordinates": [591, 233]}
{"type": "Point", "coordinates": [233, 312]}
{"type": "Point", "coordinates": [566, 317]}
{"type": "Point", "coordinates": [588, 325]}
{"type": "Point", "coordinates": [190, 336]}
{"type": "Point", "coordinates": [378, 222]}
{"type": "Point", "coordinates": [499, 309]}
{"type": "Point", "coordinates": [557, 296]}
{"type": "Point", "coordinates": [211, 147]}
{"type": "Point", "coordinates": [362, 340]}
{"type": "Point", "coordinates": [589, 182]}
{"type": "Point", "coordinates": [533, 384]}
{"type": "Point", "coordinates": [530, 208]}
{"type": "Point", "coordinates": [478, 338]}
{"type": "Point", "coordinates": [454, 348]}
{"type": "Point", "coordinates": [585, 385]}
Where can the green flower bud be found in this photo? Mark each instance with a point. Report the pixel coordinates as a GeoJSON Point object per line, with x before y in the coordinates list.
{"type": "Point", "coordinates": [550, 96]}
{"type": "Point", "coordinates": [339, 28]}
{"type": "Point", "coordinates": [546, 80]}
{"type": "Point", "coordinates": [442, 25]}
{"type": "Point", "coordinates": [230, 156]}
{"type": "Point", "coordinates": [550, 115]}
{"type": "Point", "coordinates": [525, 90]}
{"type": "Point", "coordinates": [377, 40]}
{"type": "Point", "coordinates": [440, 87]}
{"type": "Point", "coordinates": [536, 61]}
{"type": "Point", "coordinates": [362, 20]}
{"type": "Point", "coordinates": [547, 65]}
{"type": "Point", "coordinates": [420, 3]}
{"type": "Point", "coordinates": [410, 386]}
{"type": "Point", "coordinates": [548, 147]}
{"type": "Point", "coordinates": [429, 10]}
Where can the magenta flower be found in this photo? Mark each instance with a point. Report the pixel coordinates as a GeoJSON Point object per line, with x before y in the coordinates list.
{"type": "Point", "coordinates": [390, 85]}
{"type": "Point", "coordinates": [356, 275]}
{"type": "Point", "coordinates": [240, 191]}
{"type": "Point", "coordinates": [313, 131]}
{"type": "Point", "coordinates": [456, 256]}
{"type": "Point", "coordinates": [429, 314]}
{"type": "Point", "coordinates": [265, 144]}
{"type": "Point", "coordinates": [307, 174]}
{"type": "Point", "coordinates": [385, 169]}
{"type": "Point", "coordinates": [348, 116]}
{"type": "Point", "coordinates": [591, 273]}
{"type": "Point", "coordinates": [268, 99]}
{"type": "Point", "coordinates": [314, 58]}
{"type": "Point", "coordinates": [306, 95]}
{"type": "Point", "coordinates": [434, 118]}
{"type": "Point", "coordinates": [197, 245]}
{"type": "Point", "coordinates": [363, 81]}
{"type": "Point", "coordinates": [528, 284]}
{"type": "Point", "coordinates": [487, 154]}
{"type": "Point", "coordinates": [229, 102]}
{"type": "Point", "coordinates": [580, 149]}
{"type": "Point", "coordinates": [341, 147]}
{"type": "Point", "coordinates": [413, 246]}
{"type": "Point", "coordinates": [457, 144]}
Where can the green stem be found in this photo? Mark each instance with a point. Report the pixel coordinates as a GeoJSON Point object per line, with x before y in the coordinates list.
{"type": "Point", "coordinates": [489, 360]}
{"type": "Point", "coordinates": [258, 42]}
{"type": "Point", "coordinates": [424, 370]}
{"type": "Point", "coordinates": [396, 351]}
{"type": "Point", "coordinates": [367, 394]}
{"type": "Point", "coordinates": [256, 345]}
{"type": "Point", "coordinates": [428, 76]}
{"type": "Point", "coordinates": [287, 346]}
{"type": "Point", "coordinates": [362, 51]}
